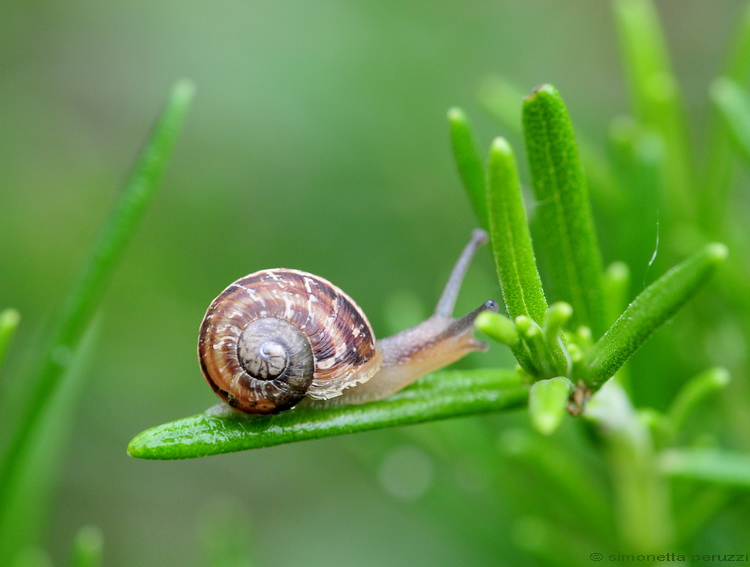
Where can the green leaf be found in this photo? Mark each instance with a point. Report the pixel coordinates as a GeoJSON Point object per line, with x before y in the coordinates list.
{"type": "Point", "coordinates": [651, 309]}
{"type": "Point", "coordinates": [468, 158]}
{"type": "Point", "coordinates": [708, 465]}
{"type": "Point", "coordinates": [566, 239]}
{"type": "Point", "coordinates": [638, 158]}
{"type": "Point", "coordinates": [88, 547]}
{"type": "Point", "coordinates": [510, 238]}
{"type": "Point", "coordinates": [511, 246]}
{"type": "Point", "coordinates": [656, 95]}
{"type": "Point", "coordinates": [733, 104]}
{"type": "Point", "coordinates": [499, 327]}
{"type": "Point", "coordinates": [28, 495]}
{"type": "Point", "coordinates": [720, 162]}
{"type": "Point", "coordinates": [501, 100]}
{"type": "Point", "coordinates": [616, 284]}
{"type": "Point", "coordinates": [9, 320]}
{"type": "Point", "coordinates": [548, 400]}
{"type": "Point", "coordinates": [85, 297]}
{"type": "Point", "coordinates": [692, 394]}
{"type": "Point", "coordinates": [437, 396]}
{"type": "Point", "coordinates": [555, 319]}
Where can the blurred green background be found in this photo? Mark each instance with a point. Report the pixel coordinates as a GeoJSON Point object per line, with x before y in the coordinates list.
{"type": "Point", "coordinates": [317, 141]}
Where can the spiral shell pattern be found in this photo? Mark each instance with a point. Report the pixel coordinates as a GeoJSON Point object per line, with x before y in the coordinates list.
{"type": "Point", "coordinates": [276, 336]}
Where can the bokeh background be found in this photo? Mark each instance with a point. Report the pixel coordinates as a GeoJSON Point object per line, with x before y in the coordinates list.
{"type": "Point", "coordinates": [317, 140]}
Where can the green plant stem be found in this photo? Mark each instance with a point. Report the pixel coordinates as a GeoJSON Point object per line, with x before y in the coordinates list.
{"type": "Point", "coordinates": [565, 235]}
{"type": "Point", "coordinates": [652, 308]}
{"type": "Point", "coordinates": [641, 493]}
{"type": "Point", "coordinates": [86, 295]}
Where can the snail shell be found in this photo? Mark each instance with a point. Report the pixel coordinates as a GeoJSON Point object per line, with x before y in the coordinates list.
{"type": "Point", "coordinates": [276, 336]}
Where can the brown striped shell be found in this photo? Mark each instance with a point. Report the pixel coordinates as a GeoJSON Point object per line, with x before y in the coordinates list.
{"type": "Point", "coordinates": [276, 336]}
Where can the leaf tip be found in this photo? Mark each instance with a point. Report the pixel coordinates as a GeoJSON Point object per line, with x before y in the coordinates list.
{"type": "Point", "coordinates": [141, 446]}
{"type": "Point", "coordinates": [134, 447]}
{"type": "Point", "coordinates": [184, 89]}
{"type": "Point", "coordinates": [547, 403]}
{"type": "Point", "coordinates": [561, 310]}
{"type": "Point", "coordinates": [500, 147]}
{"type": "Point", "coordinates": [10, 318]}
{"type": "Point", "coordinates": [717, 252]}
{"type": "Point", "coordinates": [497, 326]}
{"type": "Point", "coordinates": [720, 377]}
{"type": "Point", "coordinates": [545, 89]}
{"type": "Point", "coordinates": [456, 114]}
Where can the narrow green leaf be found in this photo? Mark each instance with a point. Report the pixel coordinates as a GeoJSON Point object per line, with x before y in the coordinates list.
{"type": "Point", "coordinates": [533, 342]}
{"type": "Point", "coordinates": [499, 327]}
{"type": "Point", "coordinates": [720, 161]}
{"type": "Point", "coordinates": [738, 55]}
{"type": "Point", "coordinates": [503, 330]}
{"type": "Point", "coordinates": [88, 548]}
{"type": "Point", "coordinates": [708, 465]}
{"type": "Point", "coordinates": [652, 308]}
{"type": "Point", "coordinates": [616, 294]}
{"type": "Point", "coordinates": [566, 237]}
{"type": "Point", "coordinates": [656, 96]}
{"type": "Point", "coordinates": [502, 101]}
{"type": "Point", "coordinates": [437, 396]}
{"type": "Point", "coordinates": [9, 320]}
{"type": "Point", "coordinates": [29, 490]}
{"type": "Point", "coordinates": [645, 53]}
{"type": "Point", "coordinates": [637, 154]}
{"type": "Point", "coordinates": [556, 318]}
{"type": "Point", "coordinates": [82, 302]}
{"type": "Point", "coordinates": [616, 284]}
{"type": "Point", "coordinates": [510, 238]}
{"type": "Point", "coordinates": [693, 393]}
{"type": "Point", "coordinates": [469, 162]}
{"type": "Point", "coordinates": [511, 246]}
{"type": "Point", "coordinates": [733, 104]}
{"type": "Point", "coordinates": [548, 400]}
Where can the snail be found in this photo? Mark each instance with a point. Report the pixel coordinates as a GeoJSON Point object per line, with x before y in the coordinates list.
{"type": "Point", "coordinates": [276, 337]}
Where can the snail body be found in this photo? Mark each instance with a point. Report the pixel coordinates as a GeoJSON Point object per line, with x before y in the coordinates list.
{"type": "Point", "coordinates": [275, 337]}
